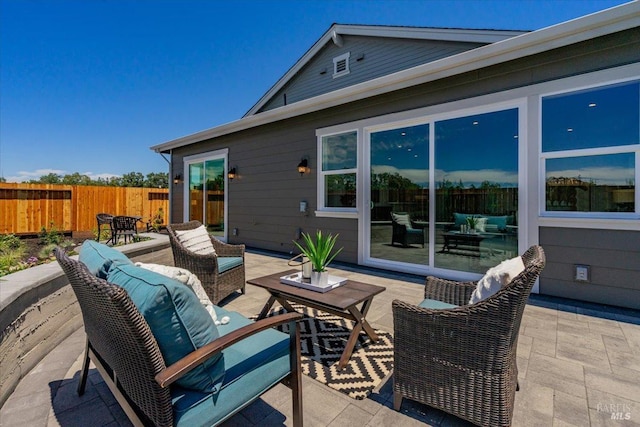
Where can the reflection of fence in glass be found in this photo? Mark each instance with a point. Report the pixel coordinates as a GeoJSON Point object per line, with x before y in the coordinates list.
{"type": "Point", "coordinates": [579, 195]}
{"type": "Point", "coordinates": [479, 201]}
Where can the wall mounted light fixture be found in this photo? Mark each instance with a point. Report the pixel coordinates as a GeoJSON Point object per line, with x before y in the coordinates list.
{"type": "Point", "coordinates": [177, 179]}
{"type": "Point", "coordinates": [231, 174]}
{"type": "Point", "coordinates": [302, 166]}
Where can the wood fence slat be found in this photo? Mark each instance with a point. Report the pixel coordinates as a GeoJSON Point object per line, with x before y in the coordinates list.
{"type": "Point", "coordinates": [26, 208]}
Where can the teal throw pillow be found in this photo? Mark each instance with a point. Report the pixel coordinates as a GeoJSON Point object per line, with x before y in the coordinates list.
{"type": "Point", "coordinates": [98, 257]}
{"type": "Point", "coordinates": [178, 320]}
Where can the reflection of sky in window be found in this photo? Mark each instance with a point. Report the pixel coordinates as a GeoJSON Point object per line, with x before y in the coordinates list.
{"type": "Point", "coordinates": [478, 148]}
{"type": "Point", "coordinates": [215, 169]}
{"type": "Point", "coordinates": [195, 175]}
{"type": "Point", "coordinates": [593, 118]}
{"type": "Point", "coordinates": [339, 151]}
{"type": "Point", "coordinates": [404, 151]}
{"type": "Point", "coordinates": [611, 169]}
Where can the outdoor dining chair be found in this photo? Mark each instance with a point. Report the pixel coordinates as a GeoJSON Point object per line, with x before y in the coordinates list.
{"type": "Point", "coordinates": [124, 226]}
{"type": "Point", "coordinates": [105, 219]}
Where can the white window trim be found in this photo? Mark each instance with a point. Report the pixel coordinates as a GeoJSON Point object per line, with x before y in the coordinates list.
{"type": "Point", "coordinates": [333, 212]}
{"type": "Point", "coordinates": [200, 158]}
{"type": "Point", "coordinates": [344, 57]}
{"type": "Point", "coordinates": [601, 220]}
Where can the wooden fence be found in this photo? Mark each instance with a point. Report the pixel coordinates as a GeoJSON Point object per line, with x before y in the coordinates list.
{"type": "Point", "coordinates": [26, 208]}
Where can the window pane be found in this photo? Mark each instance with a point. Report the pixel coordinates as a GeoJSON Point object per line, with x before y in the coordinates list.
{"type": "Point", "coordinates": [400, 185]}
{"type": "Point", "coordinates": [339, 151]}
{"type": "Point", "coordinates": [603, 117]}
{"type": "Point", "coordinates": [476, 159]}
{"type": "Point", "coordinates": [215, 197]}
{"type": "Point", "coordinates": [591, 183]}
{"type": "Point", "coordinates": [196, 188]}
{"type": "Point", "coordinates": [340, 190]}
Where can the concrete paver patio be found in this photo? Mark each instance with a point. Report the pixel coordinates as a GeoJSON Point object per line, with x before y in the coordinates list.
{"type": "Point", "coordinates": [579, 364]}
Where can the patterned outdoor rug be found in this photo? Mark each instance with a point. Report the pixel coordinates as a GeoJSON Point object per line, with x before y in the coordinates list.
{"type": "Point", "coordinates": [323, 337]}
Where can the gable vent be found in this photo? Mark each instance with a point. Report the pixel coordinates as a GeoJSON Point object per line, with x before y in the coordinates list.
{"type": "Point", "coordinates": [341, 65]}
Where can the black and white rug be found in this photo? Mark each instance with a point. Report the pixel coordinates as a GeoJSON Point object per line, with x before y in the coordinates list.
{"type": "Point", "coordinates": [323, 337]}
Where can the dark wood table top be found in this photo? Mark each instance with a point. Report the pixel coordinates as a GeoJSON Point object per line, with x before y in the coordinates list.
{"type": "Point", "coordinates": [342, 297]}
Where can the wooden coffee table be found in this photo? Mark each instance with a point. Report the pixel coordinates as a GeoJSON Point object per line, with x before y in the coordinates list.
{"type": "Point", "coordinates": [341, 301]}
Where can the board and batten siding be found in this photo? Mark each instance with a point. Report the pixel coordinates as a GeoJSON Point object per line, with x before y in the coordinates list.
{"type": "Point", "coordinates": [613, 257]}
{"type": "Point", "coordinates": [382, 56]}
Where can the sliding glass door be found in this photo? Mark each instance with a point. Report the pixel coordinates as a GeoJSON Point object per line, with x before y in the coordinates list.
{"type": "Point", "coordinates": [206, 201]}
{"type": "Point", "coordinates": [469, 220]}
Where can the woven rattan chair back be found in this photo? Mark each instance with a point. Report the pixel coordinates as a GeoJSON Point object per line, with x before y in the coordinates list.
{"type": "Point", "coordinates": [120, 337]}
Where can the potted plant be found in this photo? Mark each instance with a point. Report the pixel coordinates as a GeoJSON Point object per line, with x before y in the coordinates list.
{"type": "Point", "coordinates": [472, 221]}
{"type": "Point", "coordinates": [319, 253]}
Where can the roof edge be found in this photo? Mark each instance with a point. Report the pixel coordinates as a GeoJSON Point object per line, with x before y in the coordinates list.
{"type": "Point", "coordinates": [417, 33]}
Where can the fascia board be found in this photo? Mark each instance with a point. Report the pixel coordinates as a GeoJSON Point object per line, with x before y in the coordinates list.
{"type": "Point", "coordinates": [443, 34]}
{"type": "Point", "coordinates": [599, 24]}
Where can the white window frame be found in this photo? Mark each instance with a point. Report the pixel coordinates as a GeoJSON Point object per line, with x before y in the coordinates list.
{"type": "Point", "coordinates": [201, 158]}
{"type": "Point", "coordinates": [344, 57]}
{"type": "Point", "coordinates": [328, 211]}
{"type": "Point", "coordinates": [565, 217]}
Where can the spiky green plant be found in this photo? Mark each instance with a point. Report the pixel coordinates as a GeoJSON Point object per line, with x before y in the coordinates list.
{"type": "Point", "coordinates": [319, 251]}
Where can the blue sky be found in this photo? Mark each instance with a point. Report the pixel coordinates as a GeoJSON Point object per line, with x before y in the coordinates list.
{"type": "Point", "coordinates": [88, 86]}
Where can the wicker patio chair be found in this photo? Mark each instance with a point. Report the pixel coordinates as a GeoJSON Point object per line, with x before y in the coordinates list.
{"type": "Point", "coordinates": [105, 219]}
{"type": "Point", "coordinates": [126, 354]}
{"type": "Point", "coordinates": [218, 284]}
{"type": "Point", "coordinates": [463, 360]}
{"type": "Point", "coordinates": [403, 230]}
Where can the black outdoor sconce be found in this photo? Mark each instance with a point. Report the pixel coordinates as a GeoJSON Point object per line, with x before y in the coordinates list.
{"type": "Point", "coordinates": [302, 166]}
{"type": "Point", "coordinates": [231, 174]}
{"type": "Point", "coordinates": [177, 179]}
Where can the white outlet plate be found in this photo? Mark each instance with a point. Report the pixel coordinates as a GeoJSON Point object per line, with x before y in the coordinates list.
{"type": "Point", "coordinates": [582, 273]}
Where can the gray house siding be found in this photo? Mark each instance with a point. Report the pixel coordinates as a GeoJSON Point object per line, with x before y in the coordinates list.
{"type": "Point", "coordinates": [613, 258]}
{"type": "Point", "coordinates": [381, 56]}
{"type": "Point", "coordinates": [264, 199]}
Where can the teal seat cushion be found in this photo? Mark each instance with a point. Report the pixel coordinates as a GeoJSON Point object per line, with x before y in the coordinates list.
{"type": "Point", "coordinates": [177, 319]}
{"type": "Point", "coordinates": [98, 257]}
{"type": "Point", "coordinates": [252, 367]}
{"type": "Point", "coordinates": [228, 262]}
{"type": "Point", "coordinates": [435, 304]}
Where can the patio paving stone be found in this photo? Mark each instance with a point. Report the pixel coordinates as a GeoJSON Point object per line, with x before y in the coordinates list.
{"type": "Point", "coordinates": [573, 359]}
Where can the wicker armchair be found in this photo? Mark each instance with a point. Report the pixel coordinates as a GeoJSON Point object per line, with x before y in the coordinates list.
{"type": "Point", "coordinates": [403, 230]}
{"type": "Point", "coordinates": [126, 354]}
{"type": "Point", "coordinates": [463, 360]}
{"type": "Point", "coordinates": [217, 284]}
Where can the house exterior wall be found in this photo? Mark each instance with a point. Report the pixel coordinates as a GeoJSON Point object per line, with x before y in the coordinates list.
{"type": "Point", "coordinates": [613, 257]}
{"type": "Point", "coordinates": [382, 56]}
{"type": "Point", "coordinates": [264, 199]}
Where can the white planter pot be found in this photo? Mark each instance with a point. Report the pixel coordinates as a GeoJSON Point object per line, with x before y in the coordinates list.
{"type": "Point", "coordinates": [320, 278]}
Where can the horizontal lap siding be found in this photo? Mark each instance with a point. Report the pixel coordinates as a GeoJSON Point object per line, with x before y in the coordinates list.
{"type": "Point", "coordinates": [381, 57]}
{"type": "Point", "coordinates": [613, 257]}
{"type": "Point", "coordinates": [264, 199]}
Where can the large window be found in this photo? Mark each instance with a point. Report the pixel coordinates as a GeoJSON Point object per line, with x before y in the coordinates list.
{"type": "Point", "coordinates": [476, 179]}
{"type": "Point", "coordinates": [590, 146]}
{"type": "Point", "coordinates": [399, 182]}
{"type": "Point", "coordinates": [339, 171]}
